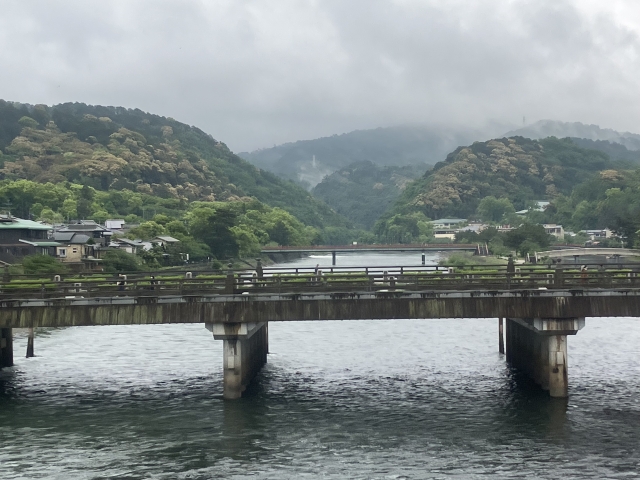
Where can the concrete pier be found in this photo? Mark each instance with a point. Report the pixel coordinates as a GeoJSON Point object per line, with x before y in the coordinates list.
{"type": "Point", "coordinates": [244, 351]}
{"type": "Point", "coordinates": [538, 347]}
{"type": "Point", "coordinates": [6, 347]}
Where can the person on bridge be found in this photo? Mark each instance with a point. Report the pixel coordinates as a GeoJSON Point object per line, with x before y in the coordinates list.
{"type": "Point", "coordinates": [584, 275]}
{"type": "Point", "coordinates": [511, 268]}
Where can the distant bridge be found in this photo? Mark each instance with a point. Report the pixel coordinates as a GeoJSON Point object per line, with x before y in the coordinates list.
{"type": "Point", "coordinates": [580, 252]}
{"type": "Point", "coordinates": [400, 247]}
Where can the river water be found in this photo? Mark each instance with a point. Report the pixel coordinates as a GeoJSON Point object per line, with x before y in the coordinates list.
{"type": "Point", "coordinates": [353, 399]}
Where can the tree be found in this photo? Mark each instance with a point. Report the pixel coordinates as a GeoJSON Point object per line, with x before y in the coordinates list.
{"type": "Point", "coordinates": [49, 216]}
{"type": "Point", "coordinates": [100, 216]}
{"type": "Point", "coordinates": [176, 227]}
{"type": "Point", "coordinates": [28, 122]}
{"type": "Point", "coordinates": [248, 243]}
{"type": "Point", "coordinates": [213, 227]}
{"type": "Point", "coordinates": [279, 233]}
{"type": "Point", "coordinates": [527, 238]}
{"type": "Point", "coordinates": [153, 258]}
{"type": "Point", "coordinates": [69, 209]}
{"type": "Point", "coordinates": [147, 230]}
{"type": "Point", "coordinates": [115, 260]}
{"type": "Point", "coordinates": [492, 209]}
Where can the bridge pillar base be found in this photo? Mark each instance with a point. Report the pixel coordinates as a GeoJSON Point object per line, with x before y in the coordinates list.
{"type": "Point", "coordinates": [244, 352]}
{"type": "Point", "coordinates": [6, 347]}
{"type": "Point", "coordinates": [538, 347]}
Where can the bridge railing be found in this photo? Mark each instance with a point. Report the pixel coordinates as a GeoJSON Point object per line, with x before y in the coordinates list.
{"type": "Point", "coordinates": [368, 279]}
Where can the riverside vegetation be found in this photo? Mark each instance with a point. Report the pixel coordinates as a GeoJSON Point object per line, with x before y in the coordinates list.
{"type": "Point", "coordinates": [75, 161]}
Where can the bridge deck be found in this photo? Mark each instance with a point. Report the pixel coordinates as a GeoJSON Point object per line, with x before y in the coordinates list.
{"type": "Point", "coordinates": [306, 296]}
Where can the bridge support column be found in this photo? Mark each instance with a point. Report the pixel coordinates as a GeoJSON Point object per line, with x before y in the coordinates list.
{"type": "Point", "coordinates": [30, 339]}
{"type": "Point", "coordinates": [333, 258]}
{"type": "Point", "coordinates": [6, 347]}
{"type": "Point", "coordinates": [244, 352]}
{"type": "Point", "coordinates": [538, 347]}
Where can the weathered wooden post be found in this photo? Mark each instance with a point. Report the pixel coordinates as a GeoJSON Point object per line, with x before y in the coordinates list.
{"type": "Point", "coordinates": [259, 269]}
{"type": "Point", "coordinates": [30, 343]}
{"type": "Point", "coordinates": [333, 257]}
{"type": "Point", "coordinates": [557, 278]}
{"type": "Point", "coordinates": [500, 335]}
{"type": "Point", "coordinates": [229, 284]}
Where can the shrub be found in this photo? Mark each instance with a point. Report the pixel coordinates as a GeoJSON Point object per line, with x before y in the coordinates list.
{"type": "Point", "coordinates": [42, 264]}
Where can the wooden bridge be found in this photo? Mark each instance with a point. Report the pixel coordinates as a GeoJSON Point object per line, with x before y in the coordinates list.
{"type": "Point", "coordinates": [589, 252]}
{"type": "Point", "coordinates": [478, 249]}
{"type": "Point", "coordinates": [542, 306]}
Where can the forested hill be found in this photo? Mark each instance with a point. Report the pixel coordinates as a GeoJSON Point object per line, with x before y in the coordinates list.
{"type": "Point", "coordinates": [519, 169]}
{"type": "Point", "coordinates": [363, 191]}
{"type": "Point", "coordinates": [309, 161]}
{"type": "Point", "coordinates": [114, 148]}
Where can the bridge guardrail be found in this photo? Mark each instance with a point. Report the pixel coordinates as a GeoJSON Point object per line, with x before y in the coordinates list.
{"type": "Point", "coordinates": [368, 279]}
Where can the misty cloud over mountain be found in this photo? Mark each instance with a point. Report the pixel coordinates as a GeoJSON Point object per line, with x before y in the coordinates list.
{"type": "Point", "coordinates": [255, 74]}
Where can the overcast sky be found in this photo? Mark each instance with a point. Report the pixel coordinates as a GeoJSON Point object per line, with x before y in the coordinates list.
{"type": "Point", "coordinates": [259, 72]}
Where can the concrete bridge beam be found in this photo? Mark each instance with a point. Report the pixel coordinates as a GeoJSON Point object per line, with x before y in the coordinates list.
{"type": "Point", "coordinates": [6, 347]}
{"type": "Point", "coordinates": [538, 347]}
{"type": "Point", "coordinates": [244, 352]}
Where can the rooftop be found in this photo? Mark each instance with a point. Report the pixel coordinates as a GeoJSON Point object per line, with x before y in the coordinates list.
{"type": "Point", "coordinates": [449, 220]}
{"type": "Point", "coordinates": [13, 223]}
{"type": "Point", "coordinates": [166, 238]}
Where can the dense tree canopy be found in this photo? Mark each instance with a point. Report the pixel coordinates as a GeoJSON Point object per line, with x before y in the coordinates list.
{"type": "Point", "coordinates": [125, 150]}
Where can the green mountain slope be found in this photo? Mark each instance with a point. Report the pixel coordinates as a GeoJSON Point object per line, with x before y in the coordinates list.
{"type": "Point", "coordinates": [114, 148]}
{"type": "Point", "coordinates": [309, 161]}
{"type": "Point", "coordinates": [517, 168]}
{"type": "Point", "coordinates": [615, 151]}
{"type": "Point", "coordinates": [363, 191]}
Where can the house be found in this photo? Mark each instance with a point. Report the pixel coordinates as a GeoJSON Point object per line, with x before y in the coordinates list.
{"type": "Point", "coordinates": [19, 237]}
{"type": "Point", "coordinates": [598, 234]}
{"type": "Point", "coordinates": [447, 233]}
{"type": "Point", "coordinates": [131, 246]}
{"type": "Point", "coordinates": [99, 234]}
{"type": "Point", "coordinates": [540, 206]}
{"type": "Point", "coordinates": [447, 223]}
{"type": "Point", "coordinates": [77, 250]}
{"type": "Point", "coordinates": [473, 227]}
{"type": "Point", "coordinates": [165, 240]}
{"type": "Point", "coordinates": [114, 224]}
{"type": "Point", "coordinates": [555, 230]}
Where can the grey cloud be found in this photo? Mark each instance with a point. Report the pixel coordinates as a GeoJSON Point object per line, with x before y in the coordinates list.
{"type": "Point", "coordinates": [255, 73]}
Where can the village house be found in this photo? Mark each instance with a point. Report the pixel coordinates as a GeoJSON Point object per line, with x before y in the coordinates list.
{"type": "Point", "coordinates": [165, 241]}
{"type": "Point", "coordinates": [555, 230]}
{"type": "Point", "coordinates": [539, 206]}
{"type": "Point", "coordinates": [598, 234]}
{"type": "Point", "coordinates": [19, 237]}
{"type": "Point", "coordinates": [446, 227]}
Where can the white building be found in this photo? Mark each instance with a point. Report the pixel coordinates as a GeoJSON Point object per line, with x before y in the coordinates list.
{"type": "Point", "coordinates": [555, 230]}
{"type": "Point", "coordinates": [540, 206]}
